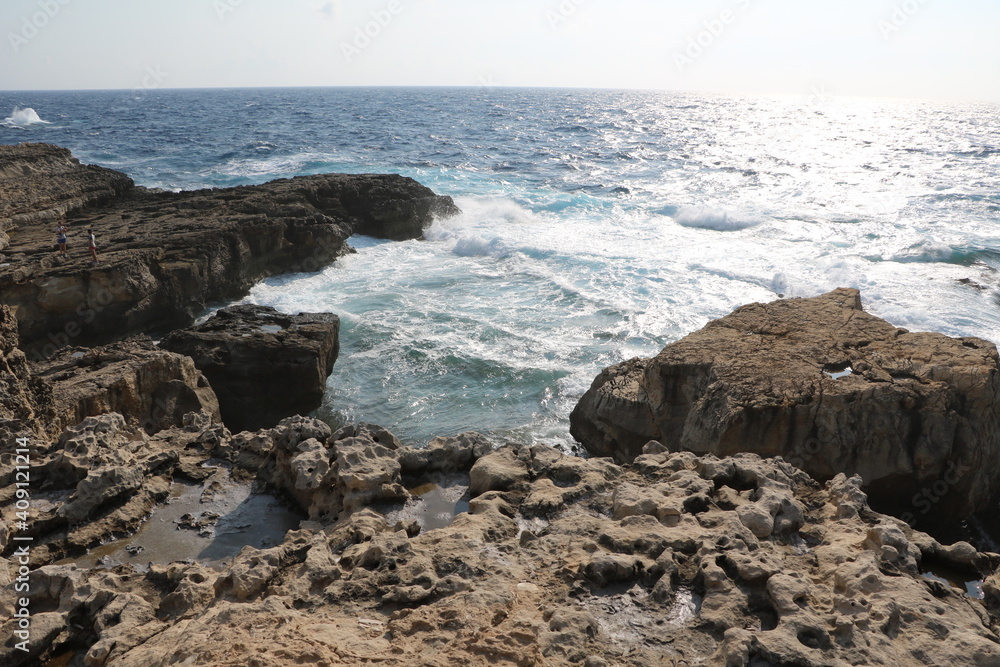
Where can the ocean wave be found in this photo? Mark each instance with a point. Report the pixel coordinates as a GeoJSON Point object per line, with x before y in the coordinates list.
{"type": "Point", "coordinates": [715, 219]}
{"type": "Point", "coordinates": [939, 253]}
{"type": "Point", "coordinates": [23, 117]}
{"type": "Point", "coordinates": [276, 166]}
{"type": "Point", "coordinates": [479, 211]}
{"type": "Point", "coordinates": [979, 151]}
{"type": "Point", "coordinates": [777, 283]}
{"type": "Point", "coordinates": [474, 246]}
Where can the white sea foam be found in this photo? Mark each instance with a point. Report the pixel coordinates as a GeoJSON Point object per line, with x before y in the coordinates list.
{"type": "Point", "coordinates": [718, 220]}
{"type": "Point", "coordinates": [23, 117]}
{"type": "Point", "coordinates": [480, 213]}
{"type": "Point", "coordinates": [474, 246]}
{"type": "Point", "coordinates": [255, 168]}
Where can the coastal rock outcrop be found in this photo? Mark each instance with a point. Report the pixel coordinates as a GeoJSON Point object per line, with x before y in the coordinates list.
{"type": "Point", "coordinates": [101, 479]}
{"type": "Point", "coordinates": [165, 255]}
{"type": "Point", "coordinates": [673, 559]}
{"type": "Point", "coordinates": [25, 402]}
{"type": "Point", "coordinates": [41, 183]}
{"type": "Point", "coordinates": [828, 387]}
{"type": "Point", "coordinates": [152, 388]}
{"type": "Point", "coordinates": [263, 365]}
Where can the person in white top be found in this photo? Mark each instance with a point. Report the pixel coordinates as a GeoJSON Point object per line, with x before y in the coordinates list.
{"type": "Point", "coordinates": [61, 232]}
{"type": "Point", "coordinates": [93, 245]}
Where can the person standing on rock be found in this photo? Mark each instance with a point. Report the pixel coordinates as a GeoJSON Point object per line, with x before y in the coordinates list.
{"type": "Point", "coordinates": [61, 237]}
{"type": "Point", "coordinates": [93, 245]}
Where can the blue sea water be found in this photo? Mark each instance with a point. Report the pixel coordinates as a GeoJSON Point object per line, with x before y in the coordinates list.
{"type": "Point", "coordinates": [597, 225]}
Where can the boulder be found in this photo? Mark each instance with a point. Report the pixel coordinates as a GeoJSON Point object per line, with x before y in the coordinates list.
{"type": "Point", "coordinates": [150, 387]}
{"type": "Point", "coordinates": [825, 385]}
{"type": "Point", "coordinates": [446, 455]}
{"type": "Point", "coordinates": [263, 365]}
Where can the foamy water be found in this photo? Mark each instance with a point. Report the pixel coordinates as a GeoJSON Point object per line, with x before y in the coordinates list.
{"type": "Point", "coordinates": [596, 225]}
{"type": "Point", "coordinates": [23, 117]}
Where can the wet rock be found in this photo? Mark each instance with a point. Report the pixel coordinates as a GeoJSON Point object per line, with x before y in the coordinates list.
{"type": "Point", "coordinates": [244, 349]}
{"type": "Point", "coordinates": [203, 523]}
{"type": "Point", "coordinates": [828, 387]}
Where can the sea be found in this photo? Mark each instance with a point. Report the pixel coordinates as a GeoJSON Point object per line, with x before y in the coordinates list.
{"type": "Point", "coordinates": [597, 225]}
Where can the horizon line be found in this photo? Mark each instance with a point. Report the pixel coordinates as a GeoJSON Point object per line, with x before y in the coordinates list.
{"type": "Point", "coordinates": [827, 94]}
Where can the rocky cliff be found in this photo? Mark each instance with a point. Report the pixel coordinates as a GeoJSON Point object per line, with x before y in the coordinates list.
{"type": "Point", "coordinates": [151, 388]}
{"type": "Point", "coordinates": [263, 365]}
{"type": "Point", "coordinates": [40, 184]}
{"type": "Point", "coordinates": [163, 255]}
{"type": "Point", "coordinates": [26, 405]}
{"type": "Point", "coordinates": [828, 387]}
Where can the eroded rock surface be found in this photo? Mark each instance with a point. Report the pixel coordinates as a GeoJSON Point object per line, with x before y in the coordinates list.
{"type": "Point", "coordinates": [100, 479]}
{"type": "Point", "coordinates": [164, 255]}
{"type": "Point", "coordinates": [150, 387]}
{"type": "Point", "coordinates": [25, 402]}
{"type": "Point", "coordinates": [263, 365]}
{"type": "Point", "coordinates": [41, 183]}
{"type": "Point", "coordinates": [673, 559]}
{"type": "Point", "coordinates": [826, 386]}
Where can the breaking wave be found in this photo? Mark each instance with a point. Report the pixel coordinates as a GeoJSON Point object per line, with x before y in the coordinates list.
{"type": "Point", "coordinates": [23, 117]}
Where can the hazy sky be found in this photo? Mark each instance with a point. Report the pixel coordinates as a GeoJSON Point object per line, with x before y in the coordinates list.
{"type": "Point", "coordinates": [912, 48]}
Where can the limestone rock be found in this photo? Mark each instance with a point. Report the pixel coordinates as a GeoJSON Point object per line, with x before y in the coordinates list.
{"type": "Point", "coordinates": [41, 183]}
{"type": "Point", "coordinates": [367, 472]}
{"type": "Point", "coordinates": [828, 387]}
{"type": "Point", "coordinates": [25, 401]}
{"type": "Point", "coordinates": [152, 388]}
{"type": "Point", "coordinates": [102, 478]}
{"type": "Point", "coordinates": [499, 471]}
{"type": "Point", "coordinates": [165, 255]}
{"type": "Point", "coordinates": [445, 454]}
{"type": "Point", "coordinates": [263, 365]}
{"type": "Point", "coordinates": [642, 564]}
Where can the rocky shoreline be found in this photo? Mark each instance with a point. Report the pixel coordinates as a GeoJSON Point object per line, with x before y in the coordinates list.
{"type": "Point", "coordinates": [163, 255]}
{"type": "Point", "coordinates": [828, 387]}
{"type": "Point", "coordinates": [676, 544]}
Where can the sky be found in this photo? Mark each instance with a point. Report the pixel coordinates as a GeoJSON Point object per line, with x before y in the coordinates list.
{"type": "Point", "coordinates": [928, 49]}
